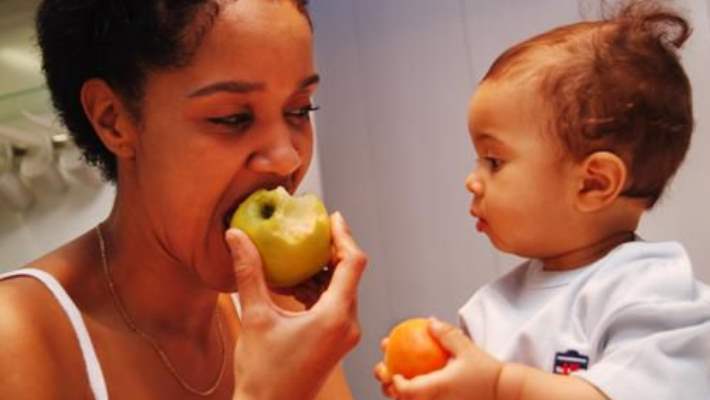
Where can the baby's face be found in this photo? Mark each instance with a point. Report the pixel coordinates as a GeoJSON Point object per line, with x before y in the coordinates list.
{"type": "Point", "coordinates": [523, 191]}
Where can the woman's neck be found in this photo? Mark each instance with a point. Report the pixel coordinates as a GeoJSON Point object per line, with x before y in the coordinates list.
{"type": "Point", "coordinates": [161, 294]}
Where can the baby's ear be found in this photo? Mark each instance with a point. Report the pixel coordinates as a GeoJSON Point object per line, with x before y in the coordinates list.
{"type": "Point", "coordinates": [602, 177]}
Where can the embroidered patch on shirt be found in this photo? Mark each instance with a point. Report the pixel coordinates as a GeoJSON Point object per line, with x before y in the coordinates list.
{"type": "Point", "coordinates": [570, 361]}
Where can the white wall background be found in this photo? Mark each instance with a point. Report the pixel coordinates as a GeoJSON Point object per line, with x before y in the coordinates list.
{"type": "Point", "coordinates": [394, 152]}
{"type": "Point", "coordinates": [397, 75]}
{"type": "Point", "coordinates": [54, 217]}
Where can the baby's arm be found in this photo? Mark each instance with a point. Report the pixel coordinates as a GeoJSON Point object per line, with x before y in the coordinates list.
{"type": "Point", "coordinates": [472, 373]}
{"type": "Point", "coordinates": [521, 382]}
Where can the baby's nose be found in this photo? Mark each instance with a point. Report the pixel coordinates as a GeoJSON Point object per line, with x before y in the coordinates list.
{"type": "Point", "coordinates": [474, 184]}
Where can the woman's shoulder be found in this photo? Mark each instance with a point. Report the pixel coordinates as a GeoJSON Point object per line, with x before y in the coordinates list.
{"type": "Point", "coordinates": [24, 299]}
{"type": "Point", "coordinates": [37, 296]}
{"type": "Point", "coordinates": [73, 266]}
{"type": "Point", "coordinates": [28, 305]}
{"type": "Point", "coordinates": [34, 350]}
{"type": "Point", "coordinates": [39, 346]}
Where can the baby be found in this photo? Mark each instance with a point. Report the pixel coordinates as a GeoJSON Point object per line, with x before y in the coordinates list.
{"type": "Point", "coordinates": [578, 131]}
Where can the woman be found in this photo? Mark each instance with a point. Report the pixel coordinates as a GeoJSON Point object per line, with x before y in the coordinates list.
{"type": "Point", "coordinates": [188, 106]}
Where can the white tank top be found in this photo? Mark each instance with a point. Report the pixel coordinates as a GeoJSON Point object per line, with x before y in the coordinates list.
{"type": "Point", "coordinates": [93, 368]}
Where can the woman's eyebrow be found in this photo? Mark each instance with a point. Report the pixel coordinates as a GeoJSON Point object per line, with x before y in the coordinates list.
{"type": "Point", "coordinates": [228, 86]}
{"type": "Point", "coordinates": [311, 80]}
{"type": "Point", "coordinates": [242, 87]}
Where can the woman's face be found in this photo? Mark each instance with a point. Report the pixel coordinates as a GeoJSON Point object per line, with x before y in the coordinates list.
{"type": "Point", "coordinates": [234, 120]}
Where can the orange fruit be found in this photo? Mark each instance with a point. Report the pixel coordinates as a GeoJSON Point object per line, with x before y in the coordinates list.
{"type": "Point", "coordinates": [412, 351]}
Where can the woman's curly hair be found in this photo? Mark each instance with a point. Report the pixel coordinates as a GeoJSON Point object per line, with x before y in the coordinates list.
{"type": "Point", "coordinates": [118, 41]}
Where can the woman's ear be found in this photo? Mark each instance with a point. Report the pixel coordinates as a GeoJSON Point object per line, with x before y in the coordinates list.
{"type": "Point", "coordinates": [111, 120]}
{"type": "Point", "coordinates": [602, 178]}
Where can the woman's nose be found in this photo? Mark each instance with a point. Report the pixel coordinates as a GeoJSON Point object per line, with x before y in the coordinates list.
{"type": "Point", "coordinates": [279, 156]}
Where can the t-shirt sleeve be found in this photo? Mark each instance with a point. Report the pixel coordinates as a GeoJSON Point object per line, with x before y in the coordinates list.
{"type": "Point", "coordinates": [469, 316]}
{"type": "Point", "coordinates": [654, 351]}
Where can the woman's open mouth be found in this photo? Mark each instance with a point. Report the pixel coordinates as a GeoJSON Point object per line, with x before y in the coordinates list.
{"type": "Point", "coordinates": [227, 218]}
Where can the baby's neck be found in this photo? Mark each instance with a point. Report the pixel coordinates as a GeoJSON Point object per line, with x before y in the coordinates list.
{"type": "Point", "coordinates": [587, 254]}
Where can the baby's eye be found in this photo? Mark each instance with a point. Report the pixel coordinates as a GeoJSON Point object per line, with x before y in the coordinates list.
{"type": "Point", "coordinates": [239, 120]}
{"type": "Point", "coordinates": [302, 112]}
{"type": "Point", "coordinates": [494, 164]}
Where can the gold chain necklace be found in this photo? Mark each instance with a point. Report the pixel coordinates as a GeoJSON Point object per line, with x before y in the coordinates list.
{"type": "Point", "coordinates": [163, 356]}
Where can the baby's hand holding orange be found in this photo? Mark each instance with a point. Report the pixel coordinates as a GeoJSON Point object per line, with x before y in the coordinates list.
{"type": "Point", "coordinates": [410, 350]}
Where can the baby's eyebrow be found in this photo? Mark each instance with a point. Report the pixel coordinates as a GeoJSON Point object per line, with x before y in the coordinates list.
{"type": "Point", "coordinates": [483, 137]}
{"type": "Point", "coordinates": [488, 142]}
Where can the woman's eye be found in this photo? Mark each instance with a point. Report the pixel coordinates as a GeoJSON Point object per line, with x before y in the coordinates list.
{"type": "Point", "coordinates": [302, 113]}
{"type": "Point", "coordinates": [238, 120]}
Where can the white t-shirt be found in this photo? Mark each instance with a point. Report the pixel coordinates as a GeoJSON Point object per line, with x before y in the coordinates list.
{"type": "Point", "coordinates": [635, 324]}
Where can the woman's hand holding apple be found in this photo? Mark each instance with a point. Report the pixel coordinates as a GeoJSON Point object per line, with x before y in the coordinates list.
{"type": "Point", "coordinates": [303, 346]}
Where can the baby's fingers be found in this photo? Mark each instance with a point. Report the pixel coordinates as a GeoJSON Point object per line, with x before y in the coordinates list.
{"type": "Point", "coordinates": [421, 387]}
{"type": "Point", "coordinates": [383, 344]}
{"type": "Point", "coordinates": [383, 375]}
{"type": "Point", "coordinates": [450, 337]}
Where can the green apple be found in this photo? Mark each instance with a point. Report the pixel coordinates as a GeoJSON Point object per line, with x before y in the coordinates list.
{"type": "Point", "coordinates": [292, 234]}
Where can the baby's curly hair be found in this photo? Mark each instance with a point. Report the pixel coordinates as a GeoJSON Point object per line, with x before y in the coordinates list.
{"type": "Point", "coordinates": [615, 85]}
{"type": "Point", "coordinates": [118, 41]}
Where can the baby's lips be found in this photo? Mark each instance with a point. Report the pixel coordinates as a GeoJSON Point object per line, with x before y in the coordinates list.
{"type": "Point", "coordinates": [481, 225]}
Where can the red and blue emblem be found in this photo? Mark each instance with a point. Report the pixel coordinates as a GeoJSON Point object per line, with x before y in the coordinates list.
{"type": "Point", "coordinates": [570, 361]}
